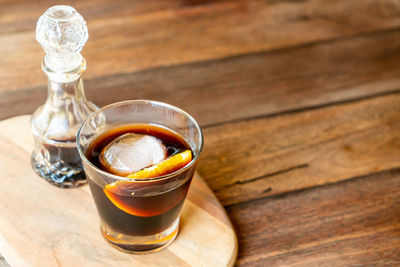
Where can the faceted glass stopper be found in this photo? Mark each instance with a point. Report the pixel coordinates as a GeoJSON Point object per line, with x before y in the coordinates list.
{"type": "Point", "coordinates": [62, 32]}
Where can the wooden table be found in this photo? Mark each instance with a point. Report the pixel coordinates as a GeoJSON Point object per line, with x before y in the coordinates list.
{"type": "Point", "coordinates": [299, 102]}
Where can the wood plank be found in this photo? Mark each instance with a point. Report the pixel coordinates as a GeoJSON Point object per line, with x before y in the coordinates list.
{"type": "Point", "coordinates": [91, 10]}
{"type": "Point", "coordinates": [245, 86]}
{"type": "Point", "coordinates": [350, 223]}
{"type": "Point", "coordinates": [273, 155]}
{"type": "Point", "coordinates": [128, 42]}
{"type": "Point", "coordinates": [61, 227]}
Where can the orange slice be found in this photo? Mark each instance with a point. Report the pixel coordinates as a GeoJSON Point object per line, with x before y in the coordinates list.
{"type": "Point", "coordinates": [169, 165]}
{"type": "Point", "coordinates": [121, 193]}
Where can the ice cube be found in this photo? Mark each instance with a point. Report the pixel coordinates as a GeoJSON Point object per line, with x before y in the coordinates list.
{"type": "Point", "coordinates": [132, 152]}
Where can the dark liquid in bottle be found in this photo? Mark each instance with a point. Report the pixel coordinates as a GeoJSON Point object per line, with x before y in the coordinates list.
{"type": "Point", "coordinates": [140, 207]}
{"type": "Point", "coordinates": [62, 167]}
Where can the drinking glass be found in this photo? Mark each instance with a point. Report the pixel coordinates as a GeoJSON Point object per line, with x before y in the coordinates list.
{"type": "Point", "coordinates": [159, 198]}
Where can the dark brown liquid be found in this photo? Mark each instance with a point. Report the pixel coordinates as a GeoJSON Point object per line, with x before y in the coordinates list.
{"type": "Point", "coordinates": [68, 154]}
{"type": "Point", "coordinates": [59, 164]}
{"type": "Point", "coordinates": [140, 207]}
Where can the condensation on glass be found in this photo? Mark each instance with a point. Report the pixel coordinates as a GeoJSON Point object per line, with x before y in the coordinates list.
{"type": "Point", "coordinates": [62, 32]}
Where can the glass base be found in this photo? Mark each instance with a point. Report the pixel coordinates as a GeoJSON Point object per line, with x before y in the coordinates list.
{"type": "Point", "coordinates": [58, 173]}
{"type": "Point", "coordinates": [140, 244]}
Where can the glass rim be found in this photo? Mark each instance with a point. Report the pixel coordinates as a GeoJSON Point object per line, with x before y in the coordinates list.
{"type": "Point", "coordinates": [157, 178]}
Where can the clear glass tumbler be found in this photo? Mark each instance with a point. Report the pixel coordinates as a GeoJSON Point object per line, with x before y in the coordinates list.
{"type": "Point", "coordinates": [159, 199]}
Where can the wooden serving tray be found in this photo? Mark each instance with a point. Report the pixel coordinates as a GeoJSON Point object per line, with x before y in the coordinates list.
{"type": "Point", "coordinates": [42, 225]}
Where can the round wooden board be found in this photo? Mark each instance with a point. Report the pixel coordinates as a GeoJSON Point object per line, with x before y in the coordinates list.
{"type": "Point", "coordinates": [42, 225]}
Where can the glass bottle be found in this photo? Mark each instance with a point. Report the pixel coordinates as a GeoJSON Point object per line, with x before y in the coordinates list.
{"type": "Point", "coordinates": [62, 32]}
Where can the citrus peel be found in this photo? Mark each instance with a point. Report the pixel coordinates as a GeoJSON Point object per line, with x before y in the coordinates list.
{"type": "Point", "coordinates": [167, 166]}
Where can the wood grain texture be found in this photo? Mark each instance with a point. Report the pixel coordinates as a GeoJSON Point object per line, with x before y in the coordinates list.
{"type": "Point", "coordinates": [250, 85]}
{"type": "Point", "coordinates": [126, 41]}
{"type": "Point", "coordinates": [350, 223]}
{"type": "Point", "coordinates": [273, 155]}
{"type": "Point", "coordinates": [299, 102]}
{"type": "Point", "coordinates": [42, 225]}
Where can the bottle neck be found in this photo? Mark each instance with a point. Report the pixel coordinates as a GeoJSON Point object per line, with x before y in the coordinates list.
{"type": "Point", "coordinates": [64, 91]}
{"type": "Point", "coordinates": [66, 106]}
{"type": "Point", "coordinates": [63, 86]}
{"type": "Point", "coordinates": [64, 74]}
